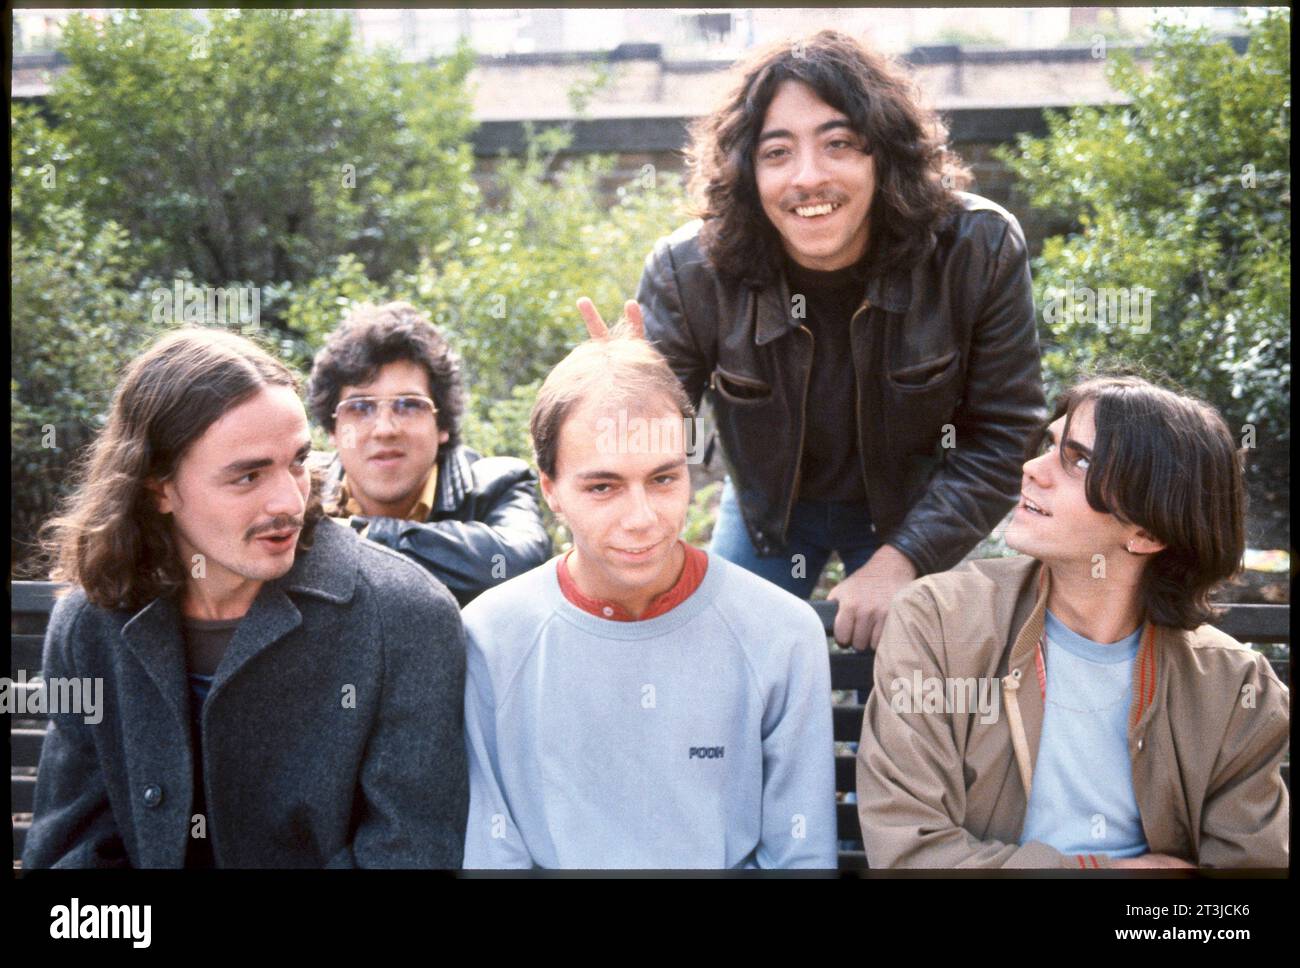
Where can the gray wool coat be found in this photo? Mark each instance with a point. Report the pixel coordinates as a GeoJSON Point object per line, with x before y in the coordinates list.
{"type": "Point", "coordinates": [296, 773]}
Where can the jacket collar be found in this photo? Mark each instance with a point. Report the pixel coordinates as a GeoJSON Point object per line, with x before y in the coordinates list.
{"type": "Point", "coordinates": [454, 478]}
{"type": "Point", "coordinates": [891, 291]}
{"type": "Point", "coordinates": [327, 570]}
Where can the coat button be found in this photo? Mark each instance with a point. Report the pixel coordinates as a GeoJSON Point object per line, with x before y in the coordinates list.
{"type": "Point", "coordinates": [152, 795]}
{"type": "Point", "coordinates": [1140, 743]}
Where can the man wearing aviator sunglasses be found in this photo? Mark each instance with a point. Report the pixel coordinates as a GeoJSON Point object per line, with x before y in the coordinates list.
{"type": "Point", "coordinates": [387, 388]}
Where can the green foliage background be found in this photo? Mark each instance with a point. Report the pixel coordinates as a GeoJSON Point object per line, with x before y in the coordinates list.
{"type": "Point", "coordinates": [1186, 191]}
{"type": "Point", "coordinates": [266, 148]}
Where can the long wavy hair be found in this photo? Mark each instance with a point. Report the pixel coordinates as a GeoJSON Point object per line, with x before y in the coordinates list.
{"type": "Point", "coordinates": [109, 537]}
{"type": "Point", "coordinates": [916, 173]}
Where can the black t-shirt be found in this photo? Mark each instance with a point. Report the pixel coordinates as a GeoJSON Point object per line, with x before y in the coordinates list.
{"type": "Point", "coordinates": [205, 644]}
{"type": "Point", "coordinates": [831, 468]}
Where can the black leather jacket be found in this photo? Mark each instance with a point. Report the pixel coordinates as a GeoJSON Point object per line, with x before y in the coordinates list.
{"type": "Point", "coordinates": [485, 525]}
{"type": "Point", "coordinates": [949, 382]}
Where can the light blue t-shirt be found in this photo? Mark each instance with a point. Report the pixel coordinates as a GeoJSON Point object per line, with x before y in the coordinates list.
{"type": "Point", "coordinates": [697, 739]}
{"type": "Point", "coordinates": [1082, 800]}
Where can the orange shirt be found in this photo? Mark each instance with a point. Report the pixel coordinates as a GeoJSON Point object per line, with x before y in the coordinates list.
{"type": "Point", "coordinates": [693, 570]}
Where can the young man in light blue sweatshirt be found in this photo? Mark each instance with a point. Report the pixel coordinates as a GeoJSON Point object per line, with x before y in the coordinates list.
{"type": "Point", "coordinates": [637, 703]}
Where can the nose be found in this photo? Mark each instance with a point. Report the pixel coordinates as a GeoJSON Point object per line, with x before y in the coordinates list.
{"type": "Point", "coordinates": [809, 172]}
{"type": "Point", "coordinates": [638, 513]}
{"type": "Point", "coordinates": [385, 423]}
{"type": "Point", "coordinates": [287, 497]}
{"type": "Point", "coordinates": [1038, 469]}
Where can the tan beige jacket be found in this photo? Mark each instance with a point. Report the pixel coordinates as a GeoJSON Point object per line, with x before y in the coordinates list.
{"type": "Point", "coordinates": [1208, 729]}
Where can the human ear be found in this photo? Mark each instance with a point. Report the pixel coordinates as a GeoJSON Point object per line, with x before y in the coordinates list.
{"type": "Point", "coordinates": [1143, 543]}
{"type": "Point", "coordinates": [548, 492]}
{"type": "Point", "coordinates": [161, 499]}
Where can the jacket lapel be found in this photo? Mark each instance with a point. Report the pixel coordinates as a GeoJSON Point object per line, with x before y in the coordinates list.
{"type": "Point", "coordinates": [453, 480]}
{"type": "Point", "coordinates": [772, 311]}
{"type": "Point", "coordinates": [1023, 652]}
{"type": "Point", "coordinates": [153, 637]}
{"type": "Point", "coordinates": [326, 570]}
{"type": "Point", "coordinates": [271, 617]}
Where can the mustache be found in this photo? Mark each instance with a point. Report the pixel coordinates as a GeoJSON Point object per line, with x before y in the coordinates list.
{"type": "Point", "coordinates": [283, 522]}
{"type": "Point", "coordinates": [793, 199]}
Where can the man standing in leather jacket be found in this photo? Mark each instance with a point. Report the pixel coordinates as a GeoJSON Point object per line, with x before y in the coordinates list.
{"type": "Point", "coordinates": [865, 330]}
{"type": "Point", "coordinates": [387, 388]}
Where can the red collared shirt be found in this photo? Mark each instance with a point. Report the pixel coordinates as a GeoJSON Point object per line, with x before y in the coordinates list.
{"type": "Point", "coordinates": [693, 569]}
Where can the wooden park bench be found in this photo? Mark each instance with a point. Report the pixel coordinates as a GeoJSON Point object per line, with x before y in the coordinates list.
{"type": "Point", "coordinates": [31, 603]}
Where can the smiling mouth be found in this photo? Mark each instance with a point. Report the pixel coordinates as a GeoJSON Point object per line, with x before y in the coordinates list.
{"type": "Point", "coordinates": [1033, 508]}
{"type": "Point", "coordinates": [637, 551]}
{"type": "Point", "coordinates": [816, 211]}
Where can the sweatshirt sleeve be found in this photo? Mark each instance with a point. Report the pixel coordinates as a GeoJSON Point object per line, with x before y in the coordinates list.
{"type": "Point", "coordinates": [799, 759]}
{"type": "Point", "coordinates": [1246, 818]}
{"type": "Point", "coordinates": [492, 838]}
{"type": "Point", "coordinates": [911, 783]}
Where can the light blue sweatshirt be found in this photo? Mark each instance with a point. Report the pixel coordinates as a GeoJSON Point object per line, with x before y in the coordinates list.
{"type": "Point", "coordinates": [697, 739]}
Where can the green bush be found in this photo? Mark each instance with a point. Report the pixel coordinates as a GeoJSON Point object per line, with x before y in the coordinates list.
{"type": "Point", "coordinates": [77, 315]}
{"type": "Point", "coordinates": [211, 151]}
{"type": "Point", "coordinates": [259, 145]}
{"type": "Point", "coordinates": [1185, 192]}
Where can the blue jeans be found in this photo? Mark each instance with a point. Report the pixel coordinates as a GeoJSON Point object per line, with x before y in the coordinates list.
{"type": "Point", "coordinates": [816, 529]}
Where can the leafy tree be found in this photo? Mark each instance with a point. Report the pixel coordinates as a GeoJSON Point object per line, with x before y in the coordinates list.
{"type": "Point", "coordinates": [1185, 192]}
{"type": "Point", "coordinates": [212, 152]}
{"type": "Point", "coordinates": [258, 145]}
{"type": "Point", "coordinates": [77, 316]}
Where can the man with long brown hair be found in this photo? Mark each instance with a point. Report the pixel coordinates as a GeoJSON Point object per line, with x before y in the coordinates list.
{"type": "Point", "coordinates": [865, 329]}
{"type": "Point", "coordinates": [281, 693]}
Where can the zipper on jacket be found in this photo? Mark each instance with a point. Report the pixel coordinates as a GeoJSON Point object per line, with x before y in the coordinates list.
{"type": "Point", "coordinates": [803, 430]}
{"type": "Point", "coordinates": [1019, 742]}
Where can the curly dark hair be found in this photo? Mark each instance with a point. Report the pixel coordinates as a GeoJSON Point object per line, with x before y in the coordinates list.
{"type": "Point", "coordinates": [917, 175]}
{"type": "Point", "coordinates": [374, 336]}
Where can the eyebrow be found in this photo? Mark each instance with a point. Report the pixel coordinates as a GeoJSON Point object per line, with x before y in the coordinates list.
{"type": "Point", "coordinates": [257, 463]}
{"type": "Point", "coordinates": [821, 129]}
{"type": "Point", "coordinates": [612, 476]}
{"type": "Point", "coordinates": [400, 393]}
{"type": "Point", "coordinates": [1072, 444]}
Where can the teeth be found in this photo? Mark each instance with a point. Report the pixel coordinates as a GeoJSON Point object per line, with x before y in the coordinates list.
{"type": "Point", "coordinates": [809, 211]}
{"type": "Point", "coordinates": [1030, 505]}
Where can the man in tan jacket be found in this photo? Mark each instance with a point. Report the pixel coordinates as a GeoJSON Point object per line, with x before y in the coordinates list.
{"type": "Point", "coordinates": [1071, 707]}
